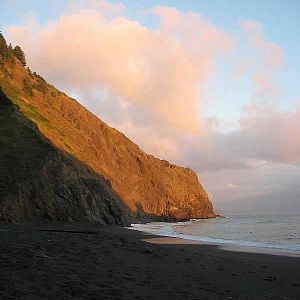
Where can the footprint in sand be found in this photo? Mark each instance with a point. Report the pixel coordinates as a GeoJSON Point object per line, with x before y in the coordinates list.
{"type": "Point", "coordinates": [270, 278]}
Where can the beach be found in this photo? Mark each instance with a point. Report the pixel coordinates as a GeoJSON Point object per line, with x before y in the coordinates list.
{"type": "Point", "coordinates": [86, 261]}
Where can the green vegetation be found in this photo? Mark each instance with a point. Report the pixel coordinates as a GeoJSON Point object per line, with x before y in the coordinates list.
{"type": "Point", "coordinates": [13, 93]}
{"type": "Point", "coordinates": [19, 54]}
{"type": "Point", "coordinates": [10, 90]}
{"type": "Point", "coordinates": [20, 88]}
{"type": "Point", "coordinates": [27, 86]}
{"type": "Point", "coordinates": [6, 52]}
{"type": "Point", "coordinates": [33, 81]}
{"type": "Point", "coordinates": [41, 84]}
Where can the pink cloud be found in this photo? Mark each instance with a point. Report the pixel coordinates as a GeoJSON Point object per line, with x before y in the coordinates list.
{"type": "Point", "coordinates": [148, 83]}
{"type": "Point", "coordinates": [158, 71]}
{"type": "Point", "coordinates": [268, 58]}
{"type": "Point", "coordinates": [274, 56]}
{"type": "Point", "coordinates": [266, 135]}
{"type": "Point", "coordinates": [268, 188]}
{"type": "Point", "coordinates": [274, 134]}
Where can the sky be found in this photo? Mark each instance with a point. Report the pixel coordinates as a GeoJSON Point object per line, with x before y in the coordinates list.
{"type": "Point", "coordinates": [208, 84]}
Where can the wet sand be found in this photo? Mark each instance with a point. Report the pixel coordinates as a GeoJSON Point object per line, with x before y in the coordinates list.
{"type": "Point", "coordinates": [84, 261]}
{"type": "Point", "coordinates": [235, 248]}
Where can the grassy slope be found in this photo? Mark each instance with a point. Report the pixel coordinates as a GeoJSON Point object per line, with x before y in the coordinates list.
{"type": "Point", "coordinates": [141, 180]}
{"type": "Point", "coordinates": [39, 182]}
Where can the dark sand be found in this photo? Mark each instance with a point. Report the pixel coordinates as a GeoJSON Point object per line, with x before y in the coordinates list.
{"type": "Point", "coordinates": [95, 262]}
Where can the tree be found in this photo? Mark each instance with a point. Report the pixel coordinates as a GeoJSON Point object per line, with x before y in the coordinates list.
{"type": "Point", "coordinates": [19, 54]}
{"type": "Point", "coordinates": [3, 46]}
{"type": "Point", "coordinates": [3, 51]}
{"type": "Point", "coordinates": [10, 48]}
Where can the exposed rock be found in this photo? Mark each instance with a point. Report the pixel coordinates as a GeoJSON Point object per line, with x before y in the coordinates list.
{"type": "Point", "coordinates": [39, 182]}
{"type": "Point", "coordinates": [150, 187]}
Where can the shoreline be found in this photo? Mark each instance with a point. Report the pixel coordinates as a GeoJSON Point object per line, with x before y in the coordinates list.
{"type": "Point", "coordinates": [62, 261]}
{"type": "Point", "coordinates": [238, 245]}
{"type": "Point", "coordinates": [226, 247]}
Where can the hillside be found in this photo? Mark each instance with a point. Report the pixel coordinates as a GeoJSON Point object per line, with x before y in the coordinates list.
{"type": "Point", "coordinates": [147, 185]}
{"type": "Point", "coordinates": [39, 182]}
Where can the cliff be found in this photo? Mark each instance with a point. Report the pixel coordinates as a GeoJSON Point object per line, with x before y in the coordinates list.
{"type": "Point", "coordinates": [39, 182]}
{"type": "Point", "coordinates": [148, 186]}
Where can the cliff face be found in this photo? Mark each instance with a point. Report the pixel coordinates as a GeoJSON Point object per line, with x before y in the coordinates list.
{"type": "Point", "coordinates": [147, 185]}
{"type": "Point", "coordinates": [39, 182]}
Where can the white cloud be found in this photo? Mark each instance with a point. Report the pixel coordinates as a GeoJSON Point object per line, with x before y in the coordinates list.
{"type": "Point", "coordinates": [231, 186]}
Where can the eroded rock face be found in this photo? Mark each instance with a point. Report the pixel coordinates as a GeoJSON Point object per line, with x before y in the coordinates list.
{"type": "Point", "coordinates": [39, 182]}
{"type": "Point", "coordinates": [150, 187]}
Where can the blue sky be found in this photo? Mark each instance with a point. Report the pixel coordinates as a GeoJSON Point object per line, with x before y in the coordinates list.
{"type": "Point", "coordinates": [281, 19]}
{"type": "Point", "coordinates": [247, 109]}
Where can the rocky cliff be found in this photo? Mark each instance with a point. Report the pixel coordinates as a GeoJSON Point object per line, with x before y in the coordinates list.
{"type": "Point", "coordinates": [39, 182]}
{"type": "Point", "coordinates": [150, 187]}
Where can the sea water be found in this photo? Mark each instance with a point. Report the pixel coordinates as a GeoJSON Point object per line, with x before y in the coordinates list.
{"type": "Point", "coordinates": [276, 231]}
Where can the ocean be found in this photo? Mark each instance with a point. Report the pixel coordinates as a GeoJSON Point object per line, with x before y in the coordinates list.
{"type": "Point", "coordinates": [276, 231]}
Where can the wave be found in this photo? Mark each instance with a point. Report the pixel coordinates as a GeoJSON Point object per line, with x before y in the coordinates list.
{"type": "Point", "coordinates": [169, 229]}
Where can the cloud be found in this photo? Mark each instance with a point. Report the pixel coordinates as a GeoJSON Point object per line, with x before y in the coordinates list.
{"type": "Point", "coordinates": [271, 53]}
{"type": "Point", "coordinates": [267, 58]}
{"type": "Point", "coordinates": [269, 188]}
{"type": "Point", "coordinates": [197, 34]}
{"type": "Point", "coordinates": [149, 82]}
{"type": "Point", "coordinates": [157, 73]}
{"type": "Point", "coordinates": [105, 6]}
{"type": "Point", "coordinates": [266, 134]}
{"type": "Point", "coordinates": [151, 85]}
{"type": "Point", "coordinates": [231, 186]}
{"type": "Point", "coordinates": [272, 134]}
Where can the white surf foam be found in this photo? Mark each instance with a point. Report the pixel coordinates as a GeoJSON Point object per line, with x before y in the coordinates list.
{"type": "Point", "coordinates": [169, 229]}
